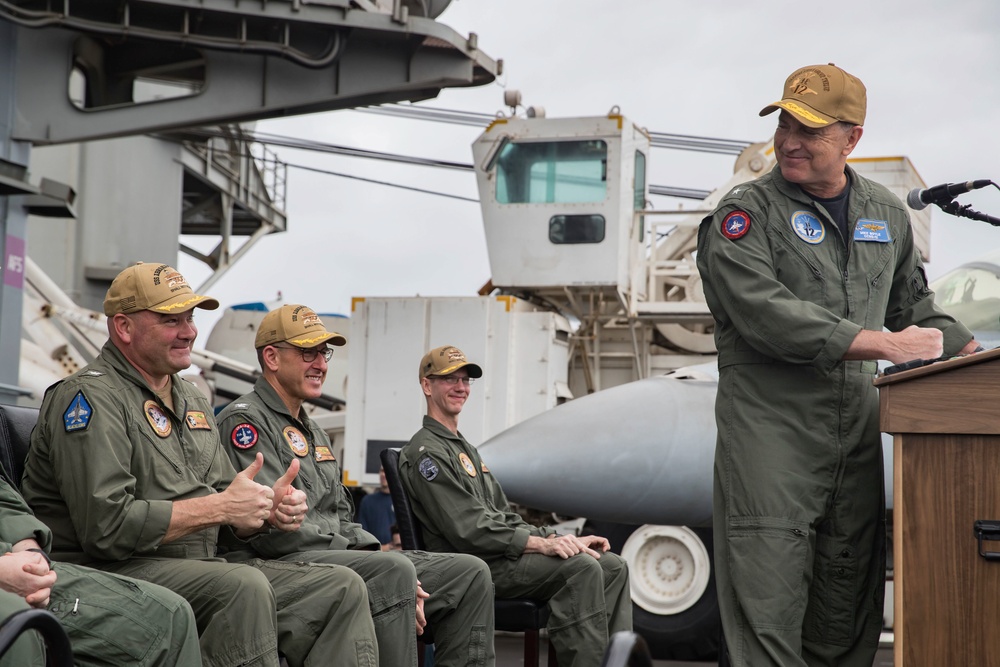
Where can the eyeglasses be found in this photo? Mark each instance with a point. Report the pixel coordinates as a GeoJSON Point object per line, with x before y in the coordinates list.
{"type": "Point", "coordinates": [309, 355]}
{"type": "Point", "coordinates": [453, 379]}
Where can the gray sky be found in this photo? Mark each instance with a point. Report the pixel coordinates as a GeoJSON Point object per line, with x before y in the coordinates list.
{"type": "Point", "coordinates": [697, 68]}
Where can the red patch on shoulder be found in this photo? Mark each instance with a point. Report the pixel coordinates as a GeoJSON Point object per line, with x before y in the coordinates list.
{"type": "Point", "coordinates": [736, 225]}
{"type": "Point", "coordinates": [244, 436]}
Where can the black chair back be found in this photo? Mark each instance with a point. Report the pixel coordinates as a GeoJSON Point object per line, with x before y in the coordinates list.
{"type": "Point", "coordinates": [58, 652]}
{"type": "Point", "coordinates": [411, 535]}
{"type": "Point", "coordinates": [16, 424]}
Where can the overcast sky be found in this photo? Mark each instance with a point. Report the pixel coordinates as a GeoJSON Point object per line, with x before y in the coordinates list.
{"type": "Point", "coordinates": [681, 67]}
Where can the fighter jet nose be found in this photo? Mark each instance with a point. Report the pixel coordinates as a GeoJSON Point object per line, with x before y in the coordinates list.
{"type": "Point", "coordinates": [641, 452]}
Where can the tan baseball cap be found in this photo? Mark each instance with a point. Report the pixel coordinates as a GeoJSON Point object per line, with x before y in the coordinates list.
{"type": "Point", "coordinates": [819, 95]}
{"type": "Point", "coordinates": [296, 325]}
{"type": "Point", "coordinates": [446, 360]}
{"type": "Point", "coordinates": [155, 287]}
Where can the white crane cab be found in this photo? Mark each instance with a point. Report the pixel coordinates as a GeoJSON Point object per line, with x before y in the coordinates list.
{"type": "Point", "coordinates": [558, 198]}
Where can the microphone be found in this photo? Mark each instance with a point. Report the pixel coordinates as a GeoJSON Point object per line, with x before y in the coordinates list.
{"type": "Point", "coordinates": [919, 199]}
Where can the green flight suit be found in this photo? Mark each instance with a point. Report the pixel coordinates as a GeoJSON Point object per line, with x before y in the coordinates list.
{"type": "Point", "coordinates": [799, 515]}
{"type": "Point", "coordinates": [109, 619]}
{"type": "Point", "coordinates": [463, 509]}
{"type": "Point", "coordinates": [460, 606]}
{"type": "Point", "coordinates": [106, 462]}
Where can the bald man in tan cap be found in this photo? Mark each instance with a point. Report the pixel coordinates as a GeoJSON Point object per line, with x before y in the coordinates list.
{"type": "Point", "coordinates": [293, 347]}
{"type": "Point", "coordinates": [812, 277]}
{"type": "Point", "coordinates": [127, 469]}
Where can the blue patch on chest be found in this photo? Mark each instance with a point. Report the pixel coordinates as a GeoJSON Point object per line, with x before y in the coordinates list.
{"type": "Point", "coordinates": [875, 231]}
{"type": "Point", "coordinates": [808, 227]}
{"type": "Point", "coordinates": [79, 413]}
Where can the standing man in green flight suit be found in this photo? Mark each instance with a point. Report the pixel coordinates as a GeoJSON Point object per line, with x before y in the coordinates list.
{"type": "Point", "coordinates": [462, 508]}
{"type": "Point", "coordinates": [804, 270]}
{"type": "Point", "coordinates": [109, 619]}
{"type": "Point", "coordinates": [293, 347]}
{"type": "Point", "coordinates": [127, 470]}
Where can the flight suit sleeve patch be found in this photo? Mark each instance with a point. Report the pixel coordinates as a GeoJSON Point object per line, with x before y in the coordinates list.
{"type": "Point", "coordinates": [736, 225]}
{"type": "Point", "coordinates": [244, 436]}
{"type": "Point", "coordinates": [428, 468]}
{"type": "Point", "coordinates": [78, 413]}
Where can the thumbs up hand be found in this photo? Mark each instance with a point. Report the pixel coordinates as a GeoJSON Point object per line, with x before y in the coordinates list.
{"type": "Point", "coordinates": [247, 503]}
{"type": "Point", "coordinates": [289, 504]}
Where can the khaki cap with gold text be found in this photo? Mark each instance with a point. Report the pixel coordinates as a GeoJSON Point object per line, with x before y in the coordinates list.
{"type": "Point", "coordinates": [155, 287]}
{"type": "Point", "coordinates": [446, 360]}
{"type": "Point", "coordinates": [819, 95]}
{"type": "Point", "coordinates": [296, 325]}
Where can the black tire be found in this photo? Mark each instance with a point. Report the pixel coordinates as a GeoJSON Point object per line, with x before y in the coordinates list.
{"type": "Point", "coordinates": [691, 635]}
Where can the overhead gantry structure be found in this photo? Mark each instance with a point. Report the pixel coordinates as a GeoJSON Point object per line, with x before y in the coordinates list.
{"type": "Point", "coordinates": [83, 70]}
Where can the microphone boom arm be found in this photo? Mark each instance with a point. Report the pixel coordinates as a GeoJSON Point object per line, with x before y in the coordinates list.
{"type": "Point", "coordinates": [954, 208]}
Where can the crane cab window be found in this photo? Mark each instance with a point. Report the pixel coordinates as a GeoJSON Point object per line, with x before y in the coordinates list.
{"type": "Point", "coordinates": [553, 172]}
{"type": "Point", "coordinates": [576, 229]}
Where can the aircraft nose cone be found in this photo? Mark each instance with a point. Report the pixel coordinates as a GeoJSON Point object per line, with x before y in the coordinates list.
{"type": "Point", "coordinates": [641, 452]}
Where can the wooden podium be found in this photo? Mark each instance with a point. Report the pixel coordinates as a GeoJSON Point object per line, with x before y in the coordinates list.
{"type": "Point", "coordinates": [945, 421]}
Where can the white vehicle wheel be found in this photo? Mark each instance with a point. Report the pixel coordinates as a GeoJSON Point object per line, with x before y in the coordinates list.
{"type": "Point", "coordinates": [669, 568]}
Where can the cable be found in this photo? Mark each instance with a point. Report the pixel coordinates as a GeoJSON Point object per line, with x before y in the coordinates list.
{"type": "Point", "coordinates": [378, 182]}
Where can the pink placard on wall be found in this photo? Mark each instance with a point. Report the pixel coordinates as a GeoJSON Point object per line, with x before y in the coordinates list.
{"type": "Point", "coordinates": [13, 262]}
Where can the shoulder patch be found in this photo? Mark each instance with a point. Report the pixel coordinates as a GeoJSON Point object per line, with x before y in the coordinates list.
{"type": "Point", "coordinates": [78, 414]}
{"type": "Point", "coordinates": [428, 468]}
{"type": "Point", "coordinates": [244, 436]}
{"type": "Point", "coordinates": [736, 225]}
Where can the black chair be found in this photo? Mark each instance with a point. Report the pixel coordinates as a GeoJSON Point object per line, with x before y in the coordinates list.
{"type": "Point", "coordinates": [627, 649]}
{"type": "Point", "coordinates": [16, 423]}
{"type": "Point", "coordinates": [511, 615]}
{"type": "Point", "coordinates": [58, 652]}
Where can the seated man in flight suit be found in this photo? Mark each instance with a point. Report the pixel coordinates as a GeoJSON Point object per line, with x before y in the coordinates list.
{"type": "Point", "coordinates": [463, 508]}
{"type": "Point", "coordinates": [293, 347]}
{"type": "Point", "coordinates": [109, 619]}
{"type": "Point", "coordinates": [127, 470]}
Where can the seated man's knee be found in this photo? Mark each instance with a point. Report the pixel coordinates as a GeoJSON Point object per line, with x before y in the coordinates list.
{"type": "Point", "coordinates": [243, 584]}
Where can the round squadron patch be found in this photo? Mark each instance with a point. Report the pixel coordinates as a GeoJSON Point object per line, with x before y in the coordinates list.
{"type": "Point", "coordinates": [296, 441]}
{"type": "Point", "coordinates": [736, 225]}
{"type": "Point", "coordinates": [428, 468]}
{"type": "Point", "coordinates": [466, 462]}
{"type": "Point", "coordinates": [157, 418]}
{"type": "Point", "coordinates": [244, 436]}
{"type": "Point", "coordinates": [808, 227]}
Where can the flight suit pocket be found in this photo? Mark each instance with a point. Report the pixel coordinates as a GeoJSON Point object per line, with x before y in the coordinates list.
{"type": "Point", "coordinates": [916, 285]}
{"type": "Point", "coordinates": [830, 614]}
{"type": "Point", "coordinates": [767, 559]}
{"type": "Point", "coordinates": [110, 612]}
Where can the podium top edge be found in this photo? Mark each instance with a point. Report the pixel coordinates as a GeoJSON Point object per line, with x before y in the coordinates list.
{"type": "Point", "coordinates": [938, 367]}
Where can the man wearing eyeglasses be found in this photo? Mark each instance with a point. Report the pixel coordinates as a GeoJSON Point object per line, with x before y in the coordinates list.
{"type": "Point", "coordinates": [293, 348]}
{"type": "Point", "coordinates": [463, 509]}
{"type": "Point", "coordinates": [127, 470]}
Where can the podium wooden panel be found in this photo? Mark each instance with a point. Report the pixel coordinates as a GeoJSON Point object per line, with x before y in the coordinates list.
{"type": "Point", "coordinates": [945, 421]}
